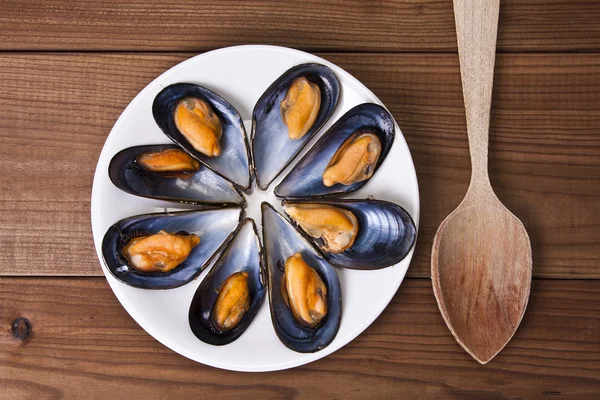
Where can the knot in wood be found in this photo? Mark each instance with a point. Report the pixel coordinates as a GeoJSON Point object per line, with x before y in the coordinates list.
{"type": "Point", "coordinates": [21, 328]}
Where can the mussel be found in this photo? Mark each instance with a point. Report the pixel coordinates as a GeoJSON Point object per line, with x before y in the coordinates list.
{"type": "Point", "coordinates": [354, 161]}
{"type": "Point", "coordinates": [199, 125]}
{"type": "Point", "coordinates": [306, 306]}
{"type": "Point", "coordinates": [232, 303]}
{"type": "Point", "coordinates": [345, 157]}
{"type": "Point", "coordinates": [300, 107]}
{"type": "Point", "coordinates": [336, 226]}
{"type": "Point", "coordinates": [232, 292]}
{"type": "Point", "coordinates": [168, 162]}
{"type": "Point", "coordinates": [371, 234]}
{"type": "Point", "coordinates": [159, 252]}
{"type": "Point", "coordinates": [206, 126]}
{"type": "Point", "coordinates": [165, 172]}
{"type": "Point", "coordinates": [167, 250]}
{"type": "Point", "coordinates": [288, 115]}
{"type": "Point", "coordinates": [304, 292]}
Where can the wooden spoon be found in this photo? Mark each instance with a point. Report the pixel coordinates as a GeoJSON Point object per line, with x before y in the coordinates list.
{"type": "Point", "coordinates": [481, 257]}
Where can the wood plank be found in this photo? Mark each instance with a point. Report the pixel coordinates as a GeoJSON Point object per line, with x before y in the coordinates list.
{"type": "Point", "coordinates": [314, 25]}
{"type": "Point", "coordinates": [59, 108]}
{"type": "Point", "coordinates": [84, 343]}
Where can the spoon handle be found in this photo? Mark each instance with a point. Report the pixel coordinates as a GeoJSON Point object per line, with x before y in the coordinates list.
{"type": "Point", "coordinates": [476, 30]}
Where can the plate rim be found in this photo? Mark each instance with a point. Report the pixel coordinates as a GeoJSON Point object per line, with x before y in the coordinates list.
{"type": "Point", "coordinates": [303, 358]}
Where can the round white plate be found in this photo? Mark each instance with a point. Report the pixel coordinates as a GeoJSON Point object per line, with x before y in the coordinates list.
{"type": "Point", "coordinates": [241, 74]}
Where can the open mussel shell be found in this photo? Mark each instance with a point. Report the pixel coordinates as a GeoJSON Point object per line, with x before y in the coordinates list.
{"type": "Point", "coordinates": [201, 187]}
{"type": "Point", "coordinates": [214, 226]}
{"type": "Point", "coordinates": [272, 149]}
{"type": "Point", "coordinates": [233, 162]}
{"type": "Point", "coordinates": [386, 234]}
{"type": "Point", "coordinates": [306, 178]}
{"type": "Point", "coordinates": [242, 254]}
{"type": "Point", "coordinates": [282, 240]}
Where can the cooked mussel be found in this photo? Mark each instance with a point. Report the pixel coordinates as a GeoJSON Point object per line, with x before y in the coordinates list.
{"type": "Point", "coordinates": [300, 107]}
{"type": "Point", "coordinates": [385, 232]}
{"type": "Point", "coordinates": [310, 318]}
{"type": "Point", "coordinates": [165, 172]}
{"type": "Point", "coordinates": [160, 252]}
{"type": "Point", "coordinates": [207, 127]}
{"type": "Point", "coordinates": [304, 292]}
{"type": "Point", "coordinates": [171, 162]}
{"type": "Point", "coordinates": [345, 157]}
{"type": "Point", "coordinates": [354, 161]}
{"type": "Point", "coordinates": [232, 292]}
{"type": "Point", "coordinates": [336, 226]}
{"type": "Point", "coordinates": [288, 115]}
{"type": "Point", "coordinates": [233, 302]}
{"type": "Point", "coordinates": [167, 250]}
{"type": "Point", "coordinates": [199, 125]}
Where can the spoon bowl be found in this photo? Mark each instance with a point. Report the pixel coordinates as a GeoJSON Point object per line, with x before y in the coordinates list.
{"type": "Point", "coordinates": [482, 276]}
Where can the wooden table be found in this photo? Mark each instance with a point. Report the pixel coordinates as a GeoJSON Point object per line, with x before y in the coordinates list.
{"type": "Point", "coordinates": [67, 70]}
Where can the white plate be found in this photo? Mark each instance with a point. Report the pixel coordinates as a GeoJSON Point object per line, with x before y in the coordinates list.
{"type": "Point", "coordinates": [241, 74]}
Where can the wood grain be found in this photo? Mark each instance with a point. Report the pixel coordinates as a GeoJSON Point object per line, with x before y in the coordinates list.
{"type": "Point", "coordinates": [314, 25]}
{"type": "Point", "coordinates": [84, 344]}
{"type": "Point", "coordinates": [57, 110]}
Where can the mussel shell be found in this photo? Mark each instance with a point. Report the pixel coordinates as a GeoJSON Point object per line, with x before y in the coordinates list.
{"type": "Point", "coordinates": [214, 226]}
{"type": "Point", "coordinates": [282, 240]}
{"type": "Point", "coordinates": [203, 187]}
{"type": "Point", "coordinates": [272, 149]}
{"type": "Point", "coordinates": [306, 178]}
{"type": "Point", "coordinates": [233, 163]}
{"type": "Point", "coordinates": [386, 234]}
{"type": "Point", "coordinates": [242, 254]}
